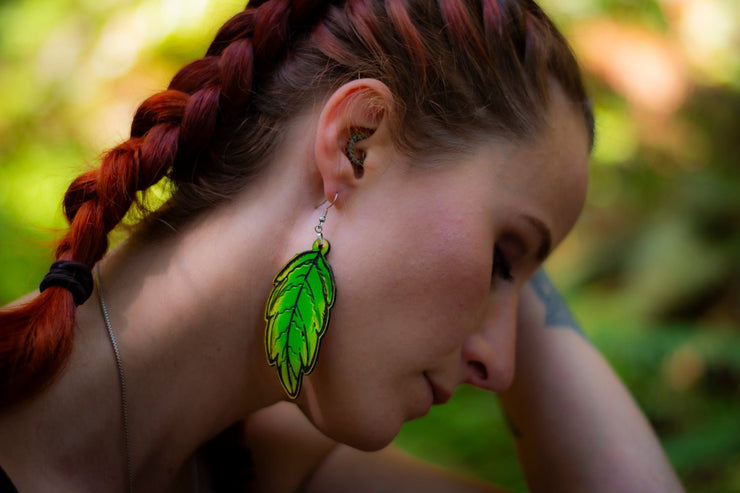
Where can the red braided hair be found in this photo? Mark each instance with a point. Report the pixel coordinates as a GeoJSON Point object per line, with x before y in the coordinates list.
{"type": "Point", "coordinates": [458, 70]}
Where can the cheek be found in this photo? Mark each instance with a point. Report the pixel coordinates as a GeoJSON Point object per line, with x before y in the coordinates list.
{"type": "Point", "coordinates": [439, 277]}
{"type": "Point", "coordinates": [414, 291]}
{"type": "Point", "coordinates": [456, 282]}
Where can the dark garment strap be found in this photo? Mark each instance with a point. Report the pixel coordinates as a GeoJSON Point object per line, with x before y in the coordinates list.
{"type": "Point", "coordinates": [6, 486]}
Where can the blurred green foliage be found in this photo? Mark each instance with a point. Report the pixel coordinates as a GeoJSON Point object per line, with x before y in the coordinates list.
{"type": "Point", "coordinates": [652, 270]}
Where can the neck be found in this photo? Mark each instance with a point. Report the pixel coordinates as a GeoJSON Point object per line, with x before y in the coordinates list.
{"type": "Point", "coordinates": [187, 312]}
{"type": "Point", "coordinates": [188, 315]}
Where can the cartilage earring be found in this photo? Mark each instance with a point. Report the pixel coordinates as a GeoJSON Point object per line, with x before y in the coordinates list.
{"type": "Point", "coordinates": [297, 312]}
{"type": "Point", "coordinates": [356, 158]}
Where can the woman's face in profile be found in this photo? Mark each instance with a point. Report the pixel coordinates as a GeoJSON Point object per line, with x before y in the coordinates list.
{"type": "Point", "coordinates": [428, 276]}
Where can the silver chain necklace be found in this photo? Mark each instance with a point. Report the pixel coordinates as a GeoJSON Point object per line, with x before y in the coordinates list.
{"type": "Point", "coordinates": [122, 381]}
{"type": "Point", "coordinates": [124, 400]}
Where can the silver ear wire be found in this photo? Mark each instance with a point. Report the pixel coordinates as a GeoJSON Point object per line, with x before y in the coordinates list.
{"type": "Point", "coordinates": [320, 227]}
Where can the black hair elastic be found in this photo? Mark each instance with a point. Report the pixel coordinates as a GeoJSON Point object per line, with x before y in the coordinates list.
{"type": "Point", "coordinates": [73, 276]}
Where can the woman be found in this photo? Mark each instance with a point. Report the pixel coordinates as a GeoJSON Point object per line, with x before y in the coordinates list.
{"type": "Point", "coordinates": [377, 179]}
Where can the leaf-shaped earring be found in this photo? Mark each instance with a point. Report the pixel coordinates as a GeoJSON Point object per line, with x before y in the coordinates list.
{"type": "Point", "coordinates": [297, 312]}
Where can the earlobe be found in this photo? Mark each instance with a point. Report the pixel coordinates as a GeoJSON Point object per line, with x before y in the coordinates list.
{"type": "Point", "coordinates": [353, 123]}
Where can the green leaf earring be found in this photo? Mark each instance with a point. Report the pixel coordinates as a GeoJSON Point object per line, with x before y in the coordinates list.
{"type": "Point", "coordinates": [297, 312]}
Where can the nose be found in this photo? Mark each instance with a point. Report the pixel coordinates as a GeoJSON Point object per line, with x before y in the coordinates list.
{"type": "Point", "coordinates": [489, 354]}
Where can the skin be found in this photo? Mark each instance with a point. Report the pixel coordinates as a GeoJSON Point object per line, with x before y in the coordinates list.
{"type": "Point", "coordinates": [412, 251]}
{"type": "Point", "coordinates": [421, 305]}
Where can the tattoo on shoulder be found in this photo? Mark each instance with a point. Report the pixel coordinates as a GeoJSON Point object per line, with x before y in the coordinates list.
{"type": "Point", "coordinates": [557, 313]}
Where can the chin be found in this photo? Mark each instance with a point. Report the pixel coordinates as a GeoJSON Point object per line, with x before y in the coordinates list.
{"type": "Point", "coordinates": [365, 435]}
{"type": "Point", "coordinates": [371, 441]}
{"type": "Point", "coordinates": [353, 419]}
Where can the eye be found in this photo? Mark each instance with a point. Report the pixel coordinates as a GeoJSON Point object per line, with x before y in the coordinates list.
{"type": "Point", "coordinates": [501, 265]}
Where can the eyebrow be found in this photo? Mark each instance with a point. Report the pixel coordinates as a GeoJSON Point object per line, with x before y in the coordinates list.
{"type": "Point", "coordinates": [545, 237]}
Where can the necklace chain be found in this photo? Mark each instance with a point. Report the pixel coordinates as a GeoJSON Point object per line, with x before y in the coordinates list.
{"type": "Point", "coordinates": [124, 400]}
{"type": "Point", "coordinates": [122, 381]}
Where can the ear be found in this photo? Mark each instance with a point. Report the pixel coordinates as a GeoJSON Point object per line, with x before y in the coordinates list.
{"type": "Point", "coordinates": [363, 105]}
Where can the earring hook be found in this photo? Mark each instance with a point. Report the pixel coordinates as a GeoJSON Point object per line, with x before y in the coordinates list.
{"type": "Point", "coordinates": [319, 229]}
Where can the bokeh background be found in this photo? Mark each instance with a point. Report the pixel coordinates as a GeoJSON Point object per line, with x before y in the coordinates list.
{"type": "Point", "coordinates": [652, 271]}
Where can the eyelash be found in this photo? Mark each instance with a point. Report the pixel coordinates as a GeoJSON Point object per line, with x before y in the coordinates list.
{"type": "Point", "coordinates": [501, 265]}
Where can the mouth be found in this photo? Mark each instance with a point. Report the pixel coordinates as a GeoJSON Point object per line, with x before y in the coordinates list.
{"type": "Point", "coordinates": [440, 395]}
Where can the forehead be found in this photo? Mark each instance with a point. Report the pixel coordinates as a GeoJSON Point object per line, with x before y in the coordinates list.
{"type": "Point", "coordinates": [546, 175]}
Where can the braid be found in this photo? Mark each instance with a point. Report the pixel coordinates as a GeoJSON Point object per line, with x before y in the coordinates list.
{"type": "Point", "coordinates": [169, 133]}
{"type": "Point", "coordinates": [36, 338]}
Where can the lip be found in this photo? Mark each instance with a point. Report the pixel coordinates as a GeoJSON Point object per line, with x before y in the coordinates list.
{"type": "Point", "coordinates": [440, 395]}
